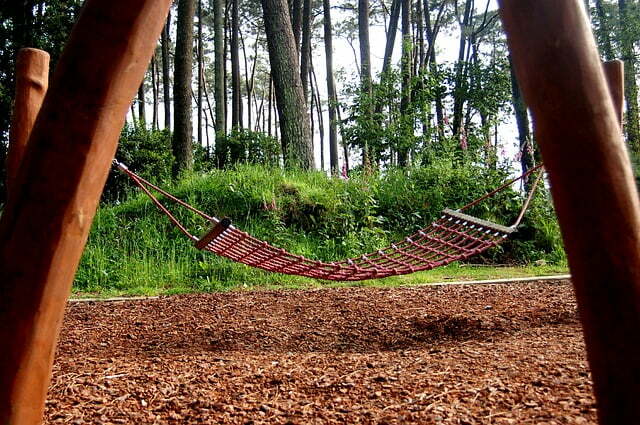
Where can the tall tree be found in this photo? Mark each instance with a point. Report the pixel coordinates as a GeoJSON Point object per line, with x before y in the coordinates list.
{"type": "Point", "coordinates": [420, 54]}
{"type": "Point", "coordinates": [295, 134]}
{"type": "Point", "coordinates": [219, 84]}
{"type": "Point", "coordinates": [200, 73]}
{"type": "Point", "coordinates": [331, 90]}
{"type": "Point", "coordinates": [430, 59]}
{"type": "Point", "coordinates": [166, 83]}
{"type": "Point", "coordinates": [407, 133]}
{"type": "Point", "coordinates": [182, 135]}
{"type": "Point", "coordinates": [315, 95]}
{"type": "Point", "coordinates": [305, 49]}
{"type": "Point", "coordinates": [460, 68]}
{"type": "Point", "coordinates": [522, 121]}
{"type": "Point", "coordinates": [236, 100]}
{"type": "Point", "coordinates": [155, 87]}
{"type": "Point", "coordinates": [365, 68]}
{"type": "Point", "coordinates": [142, 116]}
{"type": "Point", "coordinates": [627, 41]}
{"type": "Point", "coordinates": [296, 20]}
{"type": "Point", "coordinates": [391, 36]}
{"type": "Point", "coordinates": [390, 43]}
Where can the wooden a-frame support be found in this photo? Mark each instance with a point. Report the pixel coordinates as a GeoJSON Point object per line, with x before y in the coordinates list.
{"type": "Point", "coordinates": [592, 183]}
{"type": "Point", "coordinates": [32, 82]}
{"type": "Point", "coordinates": [45, 224]}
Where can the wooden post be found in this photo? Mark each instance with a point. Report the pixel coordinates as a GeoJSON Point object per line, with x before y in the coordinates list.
{"type": "Point", "coordinates": [44, 227]}
{"type": "Point", "coordinates": [32, 80]}
{"type": "Point", "coordinates": [614, 71]}
{"type": "Point", "coordinates": [593, 187]}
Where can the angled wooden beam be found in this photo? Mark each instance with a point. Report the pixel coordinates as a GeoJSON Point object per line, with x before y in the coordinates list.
{"type": "Point", "coordinates": [614, 71]}
{"type": "Point", "coordinates": [44, 227]}
{"type": "Point", "coordinates": [32, 81]}
{"type": "Point", "coordinates": [593, 187]}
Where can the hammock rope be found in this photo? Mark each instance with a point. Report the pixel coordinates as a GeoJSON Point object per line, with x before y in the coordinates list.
{"type": "Point", "coordinates": [454, 236]}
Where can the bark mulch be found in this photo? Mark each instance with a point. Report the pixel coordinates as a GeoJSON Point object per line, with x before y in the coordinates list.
{"type": "Point", "coordinates": [504, 354]}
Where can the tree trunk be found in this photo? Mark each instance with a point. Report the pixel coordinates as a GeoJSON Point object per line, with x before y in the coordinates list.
{"type": "Point", "coordinates": [391, 35]}
{"type": "Point", "coordinates": [155, 87]}
{"type": "Point", "coordinates": [630, 85]}
{"type": "Point", "coordinates": [403, 149]}
{"type": "Point", "coordinates": [225, 68]}
{"type": "Point", "coordinates": [458, 95]}
{"type": "Point", "coordinates": [432, 32]}
{"type": "Point", "coordinates": [269, 126]}
{"type": "Point", "coordinates": [331, 90]}
{"type": "Point", "coordinates": [200, 73]}
{"type": "Point", "coordinates": [305, 50]}
{"type": "Point", "coordinates": [219, 86]}
{"type": "Point", "coordinates": [420, 54]}
{"type": "Point", "coordinates": [365, 69]}
{"type": "Point", "coordinates": [296, 20]}
{"type": "Point", "coordinates": [182, 134]}
{"type": "Point", "coordinates": [248, 77]}
{"type": "Point", "coordinates": [236, 101]}
{"type": "Point", "coordinates": [319, 110]}
{"type": "Point", "coordinates": [522, 121]}
{"type": "Point", "coordinates": [134, 119]}
{"type": "Point", "coordinates": [142, 116]}
{"type": "Point", "coordinates": [345, 147]}
{"type": "Point", "coordinates": [388, 51]}
{"type": "Point", "coordinates": [296, 140]}
{"type": "Point", "coordinates": [166, 84]}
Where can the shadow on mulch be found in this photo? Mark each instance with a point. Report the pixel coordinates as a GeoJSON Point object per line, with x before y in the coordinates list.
{"type": "Point", "coordinates": [350, 320]}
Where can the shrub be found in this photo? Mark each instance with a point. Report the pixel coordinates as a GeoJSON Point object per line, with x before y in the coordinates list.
{"type": "Point", "coordinates": [147, 152]}
{"type": "Point", "coordinates": [243, 146]}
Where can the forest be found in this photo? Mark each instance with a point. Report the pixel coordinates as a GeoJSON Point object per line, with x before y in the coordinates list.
{"type": "Point", "coordinates": [326, 127]}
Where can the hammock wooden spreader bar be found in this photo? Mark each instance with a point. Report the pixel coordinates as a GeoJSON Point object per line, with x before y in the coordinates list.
{"type": "Point", "coordinates": [454, 236]}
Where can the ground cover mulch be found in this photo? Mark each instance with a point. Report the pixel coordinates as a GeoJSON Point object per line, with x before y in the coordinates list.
{"type": "Point", "coordinates": [504, 354]}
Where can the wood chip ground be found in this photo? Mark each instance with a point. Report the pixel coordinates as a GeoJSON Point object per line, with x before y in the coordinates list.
{"type": "Point", "coordinates": [499, 354]}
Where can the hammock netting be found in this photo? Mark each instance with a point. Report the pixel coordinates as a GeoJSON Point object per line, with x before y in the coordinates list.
{"type": "Point", "coordinates": [455, 236]}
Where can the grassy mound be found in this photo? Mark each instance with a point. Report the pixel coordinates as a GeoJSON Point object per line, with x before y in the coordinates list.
{"type": "Point", "coordinates": [133, 248]}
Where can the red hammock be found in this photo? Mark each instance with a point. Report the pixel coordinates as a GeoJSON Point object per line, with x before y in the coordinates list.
{"type": "Point", "coordinates": [455, 236]}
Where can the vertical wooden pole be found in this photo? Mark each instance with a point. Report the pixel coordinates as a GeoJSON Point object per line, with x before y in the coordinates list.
{"type": "Point", "coordinates": [32, 80]}
{"type": "Point", "coordinates": [614, 71]}
{"type": "Point", "coordinates": [44, 227]}
{"type": "Point", "coordinates": [593, 187]}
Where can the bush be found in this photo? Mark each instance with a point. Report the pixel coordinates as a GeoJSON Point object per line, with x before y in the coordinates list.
{"type": "Point", "coordinates": [147, 152]}
{"type": "Point", "coordinates": [243, 146]}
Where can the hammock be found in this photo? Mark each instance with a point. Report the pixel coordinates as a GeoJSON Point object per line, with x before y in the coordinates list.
{"type": "Point", "coordinates": [455, 236]}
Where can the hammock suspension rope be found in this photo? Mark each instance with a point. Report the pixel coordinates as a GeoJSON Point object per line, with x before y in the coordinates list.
{"type": "Point", "coordinates": [454, 236]}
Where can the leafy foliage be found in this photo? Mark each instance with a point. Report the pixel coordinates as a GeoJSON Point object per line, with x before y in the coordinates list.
{"type": "Point", "coordinates": [148, 152]}
{"type": "Point", "coordinates": [243, 146]}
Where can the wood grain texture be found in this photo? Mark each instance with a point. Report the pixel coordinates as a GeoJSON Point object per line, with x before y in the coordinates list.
{"type": "Point", "coordinates": [32, 81]}
{"type": "Point", "coordinates": [592, 183]}
{"type": "Point", "coordinates": [44, 228]}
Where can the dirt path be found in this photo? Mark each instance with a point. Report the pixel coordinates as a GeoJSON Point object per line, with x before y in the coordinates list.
{"type": "Point", "coordinates": [456, 355]}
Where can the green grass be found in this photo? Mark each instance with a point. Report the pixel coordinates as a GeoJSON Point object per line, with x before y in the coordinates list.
{"type": "Point", "coordinates": [266, 281]}
{"type": "Point", "coordinates": [134, 250]}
